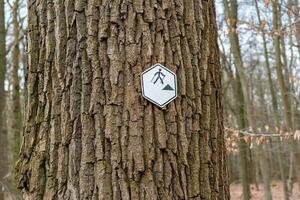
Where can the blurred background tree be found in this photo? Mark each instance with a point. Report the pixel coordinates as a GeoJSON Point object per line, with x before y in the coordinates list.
{"type": "Point", "coordinates": [12, 62]}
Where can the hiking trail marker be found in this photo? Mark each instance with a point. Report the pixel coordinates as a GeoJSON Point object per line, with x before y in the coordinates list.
{"type": "Point", "coordinates": [159, 85]}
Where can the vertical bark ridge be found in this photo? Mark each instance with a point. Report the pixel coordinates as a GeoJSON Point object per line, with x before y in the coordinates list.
{"type": "Point", "coordinates": [89, 133]}
{"type": "Point", "coordinates": [219, 150]}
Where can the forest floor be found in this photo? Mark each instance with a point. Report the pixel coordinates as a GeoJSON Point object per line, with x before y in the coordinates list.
{"type": "Point", "coordinates": [276, 187]}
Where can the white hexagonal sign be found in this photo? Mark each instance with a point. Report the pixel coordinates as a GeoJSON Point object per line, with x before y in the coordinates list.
{"type": "Point", "coordinates": [159, 85]}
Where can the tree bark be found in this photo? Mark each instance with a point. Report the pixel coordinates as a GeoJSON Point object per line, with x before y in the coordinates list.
{"type": "Point", "coordinates": [89, 134]}
{"type": "Point", "coordinates": [3, 132]}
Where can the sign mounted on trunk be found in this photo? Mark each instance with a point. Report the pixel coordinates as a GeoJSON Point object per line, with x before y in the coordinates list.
{"type": "Point", "coordinates": [159, 85]}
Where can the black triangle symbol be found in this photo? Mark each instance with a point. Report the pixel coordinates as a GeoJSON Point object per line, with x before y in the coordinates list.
{"type": "Point", "coordinates": [168, 87]}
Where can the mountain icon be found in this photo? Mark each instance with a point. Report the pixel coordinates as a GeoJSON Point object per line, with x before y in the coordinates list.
{"type": "Point", "coordinates": [168, 87]}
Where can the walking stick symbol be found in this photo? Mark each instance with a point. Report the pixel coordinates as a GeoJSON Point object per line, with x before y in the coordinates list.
{"type": "Point", "coordinates": [152, 79]}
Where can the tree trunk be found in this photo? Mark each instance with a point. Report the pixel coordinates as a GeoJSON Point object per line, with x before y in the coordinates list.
{"type": "Point", "coordinates": [274, 106]}
{"type": "Point", "coordinates": [231, 13]}
{"type": "Point", "coordinates": [284, 89]}
{"type": "Point", "coordinates": [3, 133]}
{"type": "Point", "coordinates": [16, 115]}
{"type": "Point", "coordinates": [89, 134]}
{"type": "Point", "coordinates": [265, 171]}
{"type": "Point", "coordinates": [262, 150]}
{"type": "Point", "coordinates": [297, 24]}
{"type": "Point", "coordinates": [16, 105]}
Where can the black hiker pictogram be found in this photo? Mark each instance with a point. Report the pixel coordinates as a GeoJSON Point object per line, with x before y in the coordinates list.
{"type": "Point", "coordinates": [159, 75]}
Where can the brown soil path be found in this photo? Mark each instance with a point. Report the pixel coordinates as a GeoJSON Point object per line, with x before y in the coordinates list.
{"type": "Point", "coordinates": [277, 192]}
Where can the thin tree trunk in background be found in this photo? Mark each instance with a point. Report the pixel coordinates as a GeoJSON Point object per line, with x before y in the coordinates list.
{"type": "Point", "coordinates": [283, 175]}
{"type": "Point", "coordinates": [292, 66]}
{"type": "Point", "coordinates": [290, 181]}
{"type": "Point", "coordinates": [244, 156]}
{"type": "Point", "coordinates": [265, 171]}
{"type": "Point", "coordinates": [283, 88]}
{"type": "Point", "coordinates": [257, 170]}
{"type": "Point", "coordinates": [3, 132]}
{"type": "Point", "coordinates": [235, 47]}
{"type": "Point", "coordinates": [283, 54]}
{"type": "Point", "coordinates": [89, 134]}
{"type": "Point", "coordinates": [23, 91]}
{"type": "Point", "coordinates": [274, 105]}
{"type": "Point", "coordinates": [297, 24]}
{"type": "Point", "coordinates": [242, 145]}
{"type": "Point", "coordinates": [286, 70]}
{"type": "Point", "coordinates": [297, 35]}
{"type": "Point", "coordinates": [269, 72]}
{"type": "Point", "coordinates": [231, 10]}
{"type": "Point", "coordinates": [231, 14]}
{"type": "Point", "coordinates": [261, 151]}
{"type": "Point", "coordinates": [16, 102]}
{"type": "Point", "coordinates": [262, 148]}
{"type": "Point", "coordinates": [279, 66]}
{"type": "Point", "coordinates": [16, 115]}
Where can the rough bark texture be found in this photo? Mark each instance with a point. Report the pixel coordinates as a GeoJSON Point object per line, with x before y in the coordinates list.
{"type": "Point", "coordinates": [89, 134]}
{"type": "Point", "coordinates": [3, 133]}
